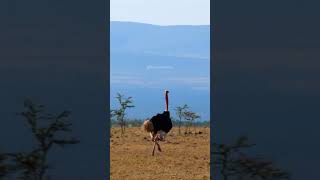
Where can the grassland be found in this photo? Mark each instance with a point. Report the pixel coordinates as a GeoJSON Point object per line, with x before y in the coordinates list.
{"type": "Point", "coordinates": [182, 157]}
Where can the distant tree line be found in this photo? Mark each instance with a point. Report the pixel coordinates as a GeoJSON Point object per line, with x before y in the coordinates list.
{"type": "Point", "coordinates": [185, 117]}
{"type": "Point", "coordinates": [138, 122]}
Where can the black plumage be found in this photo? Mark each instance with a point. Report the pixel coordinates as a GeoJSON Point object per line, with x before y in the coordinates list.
{"type": "Point", "coordinates": [162, 122]}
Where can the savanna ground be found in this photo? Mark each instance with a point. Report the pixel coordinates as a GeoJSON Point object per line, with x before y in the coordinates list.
{"type": "Point", "coordinates": [182, 157]}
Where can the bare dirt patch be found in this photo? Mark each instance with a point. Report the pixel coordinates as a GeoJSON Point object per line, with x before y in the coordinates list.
{"type": "Point", "coordinates": [182, 157]}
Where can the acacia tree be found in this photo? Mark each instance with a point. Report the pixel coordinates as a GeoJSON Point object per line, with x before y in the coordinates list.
{"type": "Point", "coordinates": [259, 168]}
{"type": "Point", "coordinates": [5, 166]}
{"type": "Point", "coordinates": [180, 110]}
{"type": "Point", "coordinates": [190, 117]}
{"type": "Point", "coordinates": [231, 161]}
{"type": "Point", "coordinates": [224, 156]}
{"type": "Point", "coordinates": [120, 113]}
{"type": "Point", "coordinates": [45, 128]}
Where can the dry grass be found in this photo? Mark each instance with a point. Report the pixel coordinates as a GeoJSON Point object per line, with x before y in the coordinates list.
{"type": "Point", "coordinates": [182, 157]}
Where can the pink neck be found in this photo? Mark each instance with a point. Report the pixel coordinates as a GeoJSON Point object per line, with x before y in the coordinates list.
{"type": "Point", "coordinates": [167, 100]}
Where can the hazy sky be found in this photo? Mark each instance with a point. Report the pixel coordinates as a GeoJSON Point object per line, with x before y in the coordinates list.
{"type": "Point", "coordinates": [161, 12]}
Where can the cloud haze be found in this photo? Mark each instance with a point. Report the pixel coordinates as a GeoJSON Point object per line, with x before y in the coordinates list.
{"type": "Point", "coordinates": [193, 83]}
{"type": "Point", "coordinates": [150, 67]}
{"type": "Point", "coordinates": [165, 12]}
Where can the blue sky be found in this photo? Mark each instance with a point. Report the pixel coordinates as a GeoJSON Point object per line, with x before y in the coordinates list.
{"type": "Point", "coordinates": [161, 12]}
{"type": "Point", "coordinates": [146, 59]}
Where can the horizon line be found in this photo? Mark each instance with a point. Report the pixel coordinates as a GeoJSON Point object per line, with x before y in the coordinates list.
{"type": "Point", "coordinates": [159, 24]}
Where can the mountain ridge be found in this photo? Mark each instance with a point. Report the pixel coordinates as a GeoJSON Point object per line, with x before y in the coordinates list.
{"type": "Point", "coordinates": [148, 58]}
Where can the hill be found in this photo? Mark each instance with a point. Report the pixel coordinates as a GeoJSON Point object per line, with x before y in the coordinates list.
{"type": "Point", "coordinates": [146, 59]}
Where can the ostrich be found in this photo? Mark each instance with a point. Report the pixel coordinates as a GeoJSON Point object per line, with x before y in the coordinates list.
{"type": "Point", "coordinates": [159, 125]}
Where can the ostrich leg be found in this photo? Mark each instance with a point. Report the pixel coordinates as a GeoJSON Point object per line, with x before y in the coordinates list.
{"type": "Point", "coordinates": [159, 149]}
{"type": "Point", "coordinates": [154, 147]}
